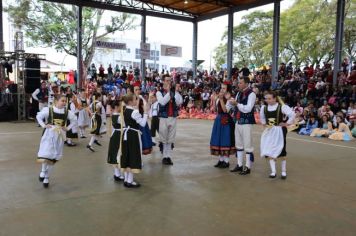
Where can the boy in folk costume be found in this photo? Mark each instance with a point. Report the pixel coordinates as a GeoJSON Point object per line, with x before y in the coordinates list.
{"type": "Point", "coordinates": [169, 100]}
{"type": "Point", "coordinates": [52, 141]}
{"type": "Point", "coordinates": [222, 142]}
{"type": "Point", "coordinates": [73, 132]}
{"type": "Point", "coordinates": [97, 111]}
{"type": "Point", "coordinates": [115, 139]}
{"type": "Point", "coordinates": [154, 116]}
{"type": "Point", "coordinates": [273, 139]}
{"type": "Point", "coordinates": [244, 105]}
{"type": "Point", "coordinates": [83, 114]}
{"type": "Point", "coordinates": [131, 162]}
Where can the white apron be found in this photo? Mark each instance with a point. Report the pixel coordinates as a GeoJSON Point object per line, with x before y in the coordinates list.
{"type": "Point", "coordinates": [272, 142]}
{"type": "Point", "coordinates": [83, 118]}
{"type": "Point", "coordinates": [51, 145]}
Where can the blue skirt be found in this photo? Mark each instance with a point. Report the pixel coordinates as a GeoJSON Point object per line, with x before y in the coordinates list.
{"type": "Point", "coordinates": [222, 141]}
{"type": "Point", "coordinates": [146, 140]}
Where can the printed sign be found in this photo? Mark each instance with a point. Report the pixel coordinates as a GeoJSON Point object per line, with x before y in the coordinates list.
{"type": "Point", "coordinates": [171, 51]}
{"type": "Point", "coordinates": [111, 45]}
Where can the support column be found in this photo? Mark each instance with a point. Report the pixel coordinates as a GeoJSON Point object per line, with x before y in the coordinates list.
{"type": "Point", "coordinates": [79, 47]}
{"type": "Point", "coordinates": [143, 40]}
{"type": "Point", "coordinates": [1, 48]}
{"type": "Point", "coordinates": [230, 31]}
{"type": "Point", "coordinates": [195, 49]}
{"type": "Point", "coordinates": [340, 17]}
{"type": "Point", "coordinates": [275, 53]}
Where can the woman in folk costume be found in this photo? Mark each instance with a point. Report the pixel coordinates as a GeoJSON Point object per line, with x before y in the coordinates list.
{"type": "Point", "coordinates": [222, 142]}
{"type": "Point", "coordinates": [52, 141]}
{"type": "Point", "coordinates": [131, 162]}
{"type": "Point", "coordinates": [97, 121]}
{"type": "Point", "coordinates": [83, 114]}
{"type": "Point", "coordinates": [73, 132]}
{"type": "Point", "coordinates": [146, 137]}
{"type": "Point", "coordinates": [115, 139]}
{"type": "Point", "coordinates": [342, 131]}
{"type": "Point", "coordinates": [276, 117]}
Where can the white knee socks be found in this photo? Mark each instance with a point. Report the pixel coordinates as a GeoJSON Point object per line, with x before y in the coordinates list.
{"type": "Point", "coordinates": [126, 174]}
{"type": "Point", "coordinates": [272, 163]}
{"type": "Point", "coordinates": [92, 139]}
{"type": "Point", "coordinates": [43, 170]}
{"type": "Point", "coordinates": [248, 161]}
{"type": "Point", "coordinates": [221, 158]}
{"type": "Point", "coordinates": [226, 159]}
{"type": "Point", "coordinates": [240, 155]}
{"type": "Point", "coordinates": [284, 167]}
{"type": "Point", "coordinates": [117, 172]}
{"type": "Point", "coordinates": [48, 171]}
{"type": "Point", "coordinates": [130, 177]}
{"type": "Point", "coordinates": [167, 147]}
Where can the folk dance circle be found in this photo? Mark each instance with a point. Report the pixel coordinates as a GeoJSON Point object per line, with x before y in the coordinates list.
{"type": "Point", "coordinates": [131, 137]}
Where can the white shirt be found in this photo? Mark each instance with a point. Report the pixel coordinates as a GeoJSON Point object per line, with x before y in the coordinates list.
{"type": "Point", "coordinates": [205, 96]}
{"type": "Point", "coordinates": [251, 100]}
{"type": "Point", "coordinates": [164, 100]}
{"type": "Point", "coordinates": [44, 114]}
{"type": "Point", "coordinates": [286, 110]}
{"type": "Point", "coordinates": [136, 115]}
{"type": "Point", "coordinates": [35, 93]}
{"type": "Point", "coordinates": [154, 109]}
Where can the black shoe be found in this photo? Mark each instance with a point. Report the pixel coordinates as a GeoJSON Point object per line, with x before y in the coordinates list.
{"type": "Point", "coordinates": [97, 143]}
{"type": "Point", "coordinates": [90, 148]}
{"type": "Point", "coordinates": [65, 142]}
{"type": "Point", "coordinates": [132, 185]}
{"type": "Point", "coordinates": [118, 178]}
{"type": "Point", "coordinates": [225, 165]}
{"type": "Point", "coordinates": [164, 161]}
{"type": "Point", "coordinates": [217, 165]}
{"type": "Point", "coordinates": [41, 178]}
{"type": "Point", "coordinates": [284, 177]}
{"type": "Point", "coordinates": [83, 136]}
{"type": "Point", "coordinates": [45, 185]}
{"type": "Point", "coordinates": [271, 176]}
{"type": "Point", "coordinates": [245, 171]}
{"type": "Point", "coordinates": [237, 169]}
{"type": "Point", "coordinates": [169, 161]}
{"type": "Point", "coordinates": [71, 144]}
{"type": "Point", "coordinates": [154, 144]}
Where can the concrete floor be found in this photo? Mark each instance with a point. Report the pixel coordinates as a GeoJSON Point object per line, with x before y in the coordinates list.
{"type": "Point", "coordinates": [190, 198]}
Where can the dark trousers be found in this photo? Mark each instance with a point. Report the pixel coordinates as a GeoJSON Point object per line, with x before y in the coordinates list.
{"type": "Point", "coordinates": [154, 125]}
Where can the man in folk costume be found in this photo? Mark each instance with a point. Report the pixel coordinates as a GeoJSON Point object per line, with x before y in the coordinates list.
{"type": "Point", "coordinates": [244, 114]}
{"type": "Point", "coordinates": [273, 139]}
{"type": "Point", "coordinates": [169, 100]}
{"type": "Point", "coordinates": [41, 96]}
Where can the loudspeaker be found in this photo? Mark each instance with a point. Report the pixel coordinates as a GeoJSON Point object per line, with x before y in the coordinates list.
{"type": "Point", "coordinates": [32, 74]}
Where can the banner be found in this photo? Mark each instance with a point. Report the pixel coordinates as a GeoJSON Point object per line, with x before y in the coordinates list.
{"type": "Point", "coordinates": [111, 45]}
{"type": "Point", "coordinates": [171, 51]}
{"type": "Point", "coordinates": [145, 50]}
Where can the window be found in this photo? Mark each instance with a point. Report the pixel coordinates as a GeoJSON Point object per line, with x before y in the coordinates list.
{"type": "Point", "coordinates": [137, 53]}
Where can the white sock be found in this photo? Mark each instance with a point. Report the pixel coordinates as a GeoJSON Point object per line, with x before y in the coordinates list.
{"type": "Point", "coordinates": [83, 131]}
{"type": "Point", "coordinates": [221, 158]}
{"type": "Point", "coordinates": [284, 167]}
{"type": "Point", "coordinates": [169, 150]}
{"type": "Point", "coordinates": [69, 140]}
{"type": "Point", "coordinates": [92, 139]}
{"type": "Point", "coordinates": [126, 174]}
{"type": "Point", "coordinates": [117, 172]}
{"type": "Point", "coordinates": [226, 159]}
{"type": "Point", "coordinates": [248, 161]}
{"type": "Point", "coordinates": [130, 177]}
{"type": "Point", "coordinates": [240, 157]}
{"type": "Point", "coordinates": [153, 140]}
{"type": "Point", "coordinates": [48, 171]}
{"type": "Point", "coordinates": [272, 164]}
{"type": "Point", "coordinates": [43, 170]}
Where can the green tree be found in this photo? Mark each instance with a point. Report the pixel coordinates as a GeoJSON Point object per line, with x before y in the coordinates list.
{"type": "Point", "coordinates": [55, 25]}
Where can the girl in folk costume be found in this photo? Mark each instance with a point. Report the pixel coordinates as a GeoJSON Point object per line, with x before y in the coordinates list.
{"type": "Point", "coordinates": [52, 141]}
{"type": "Point", "coordinates": [115, 139]}
{"type": "Point", "coordinates": [97, 121]}
{"type": "Point", "coordinates": [146, 137]}
{"type": "Point", "coordinates": [276, 117]}
{"type": "Point", "coordinates": [73, 132]}
{"type": "Point", "coordinates": [131, 145]}
{"type": "Point", "coordinates": [222, 142]}
{"type": "Point", "coordinates": [83, 114]}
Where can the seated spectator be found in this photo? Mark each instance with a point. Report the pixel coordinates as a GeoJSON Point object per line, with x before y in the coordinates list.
{"type": "Point", "coordinates": [342, 131]}
{"type": "Point", "coordinates": [311, 125]}
{"type": "Point", "coordinates": [325, 129]}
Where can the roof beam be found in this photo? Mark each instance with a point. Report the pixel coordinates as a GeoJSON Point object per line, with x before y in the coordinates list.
{"type": "Point", "coordinates": [236, 8]}
{"type": "Point", "coordinates": [125, 9]}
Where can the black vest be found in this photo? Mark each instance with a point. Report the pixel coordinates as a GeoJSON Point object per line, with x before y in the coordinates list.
{"type": "Point", "coordinates": [274, 117]}
{"type": "Point", "coordinates": [128, 119]}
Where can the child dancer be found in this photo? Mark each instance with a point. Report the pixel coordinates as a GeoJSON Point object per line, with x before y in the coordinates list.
{"type": "Point", "coordinates": [115, 140]}
{"type": "Point", "coordinates": [222, 142]}
{"type": "Point", "coordinates": [83, 115]}
{"type": "Point", "coordinates": [154, 117]}
{"type": "Point", "coordinates": [131, 144]}
{"type": "Point", "coordinates": [73, 132]}
{"type": "Point", "coordinates": [96, 108]}
{"type": "Point", "coordinates": [52, 141]}
{"type": "Point", "coordinates": [273, 139]}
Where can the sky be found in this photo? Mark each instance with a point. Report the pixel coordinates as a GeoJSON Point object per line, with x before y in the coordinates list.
{"type": "Point", "coordinates": [165, 31]}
